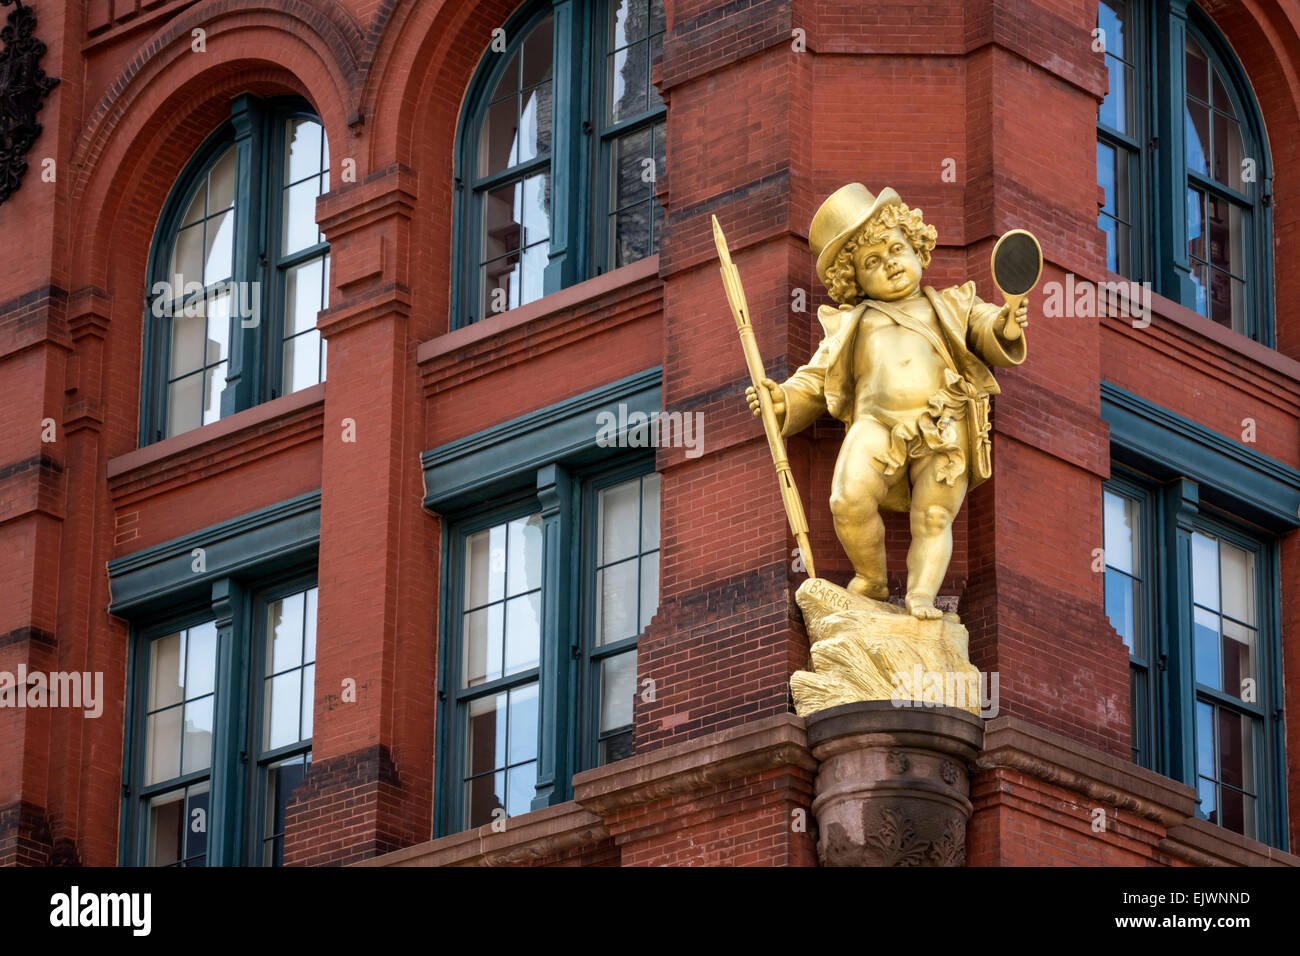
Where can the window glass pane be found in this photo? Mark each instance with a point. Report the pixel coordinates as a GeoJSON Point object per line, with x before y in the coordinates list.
{"type": "Point", "coordinates": [650, 512]}
{"type": "Point", "coordinates": [1225, 236]}
{"type": "Point", "coordinates": [649, 589]}
{"type": "Point", "coordinates": [1208, 793]}
{"type": "Point", "coordinates": [629, 21]}
{"type": "Point", "coordinates": [627, 82]}
{"type": "Point", "coordinates": [185, 404]}
{"type": "Point", "coordinates": [218, 258]}
{"type": "Point", "coordinates": [509, 82]}
{"type": "Point", "coordinates": [522, 787]}
{"type": "Point", "coordinates": [163, 746]}
{"type": "Point", "coordinates": [632, 176]}
{"type": "Point", "coordinates": [1205, 571]}
{"type": "Point", "coordinates": [308, 700]}
{"type": "Point", "coordinates": [538, 51]}
{"type": "Point", "coordinates": [300, 230]}
{"type": "Point", "coordinates": [498, 141]}
{"type": "Point", "coordinates": [486, 729]}
{"type": "Point", "coordinates": [1121, 533]}
{"type": "Point", "coordinates": [523, 632]}
{"type": "Point", "coordinates": [1238, 585]}
{"type": "Point", "coordinates": [197, 208]}
{"type": "Point", "coordinates": [617, 687]}
{"type": "Point", "coordinates": [282, 779]}
{"type": "Point", "coordinates": [166, 829]}
{"type": "Point", "coordinates": [524, 568]}
{"type": "Point", "coordinates": [1236, 750]}
{"type": "Point", "coordinates": [1197, 133]}
{"type": "Point", "coordinates": [1205, 762]}
{"type": "Point", "coordinates": [1198, 72]}
{"type": "Point", "coordinates": [484, 641]}
{"type": "Point", "coordinates": [188, 343]}
{"type": "Point", "coordinates": [214, 381]}
{"type": "Point", "coordinates": [523, 725]}
{"type": "Point", "coordinates": [283, 707]}
{"type": "Point", "coordinates": [302, 363]}
{"type": "Point", "coordinates": [1228, 151]}
{"type": "Point", "coordinates": [187, 257]}
{"type": "Point", "coordinates": [310, 653]}
{"type": "Point", "coordinates": [1239, 661]}
{"type": "Point", "coordinates": [302, 296]}
{"type": "Point", "coordinates": [1122, 608]}
{"type": "Point", "coordinates": [303, 155]}
{"type": "Point", "coordinates": [197, 749]}
{"type": "Point", "coordinates": [1206, 629]}
{"type": "Point", "coordinates": [657, 22]}
{"type": "Point", "coordinates": [196, 824]}
{"type": "Point", "coordinates": [285, 628]}
{"type": "Point", "coordinates": [619, 521]}
{"type": "Point", "coordinates": [485, 567]}
{"type": "Point", "coordinates": [616, 602]}
{"type": "Point", "coordinates": [166, 672]}
{"type": "Point", "coordinates": [535, 123]}
{"type": "Point", "coordinates": [201, 660]}
{"type": "Point", "coordinates": [217, 311]}
{"type": "Point", "coordinates": [221, 182]}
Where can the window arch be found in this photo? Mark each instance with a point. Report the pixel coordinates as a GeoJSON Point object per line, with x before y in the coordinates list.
{"type": "Point", "coordinates": [559, 147]}
{"type": "Point", "coordinates": [238, 271]}
{"type": "Point", "coordinates": [1182, 157]}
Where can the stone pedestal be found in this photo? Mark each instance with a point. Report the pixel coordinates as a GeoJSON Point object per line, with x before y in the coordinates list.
{"type": "Point", "coordinates": [893, 785]}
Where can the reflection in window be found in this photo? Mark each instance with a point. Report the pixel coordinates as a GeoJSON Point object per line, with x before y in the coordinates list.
{"type": "Point", "coordinates": [1127, 606]}
{"type": "Point", "coordinates": [1228, 685]}
{"type": "Point", "coordinates": [501, 627]}
{"type": "Point", "coordinates": [1215, 216]}
{"type": "Point", "coordinates": [1118, 133]}
{"type": "Point", "coordinates": [288, 682]}
{"type": "Point", "coordinates": [239, 272]}
{"type": "Point", "coordinates": [178, 745]}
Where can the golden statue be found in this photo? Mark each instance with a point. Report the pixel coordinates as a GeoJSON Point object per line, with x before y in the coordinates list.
{"type": "Point", "coordinates": [906, 368]}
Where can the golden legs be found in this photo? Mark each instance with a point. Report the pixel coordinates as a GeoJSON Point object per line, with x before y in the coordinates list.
{"type": "Point", "coordinates": [859, 490]}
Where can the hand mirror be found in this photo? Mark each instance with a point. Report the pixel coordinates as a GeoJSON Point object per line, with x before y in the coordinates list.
{"type": "Point", "coordinates": [1017, 263]}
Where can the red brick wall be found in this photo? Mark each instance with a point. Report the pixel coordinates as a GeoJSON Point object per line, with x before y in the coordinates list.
{"type": "Point", "coordinates": [758, 135]}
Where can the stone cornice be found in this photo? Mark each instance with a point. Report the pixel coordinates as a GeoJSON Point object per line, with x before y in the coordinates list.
{"type": "Point", "coordinates": [682, 768]}
{"type": "Point", "coordinates": [1201, 843]}
{"type": "Point", "coordinates": [1014, 744]}
{"type": "Point", "coordinates": [530, 836]}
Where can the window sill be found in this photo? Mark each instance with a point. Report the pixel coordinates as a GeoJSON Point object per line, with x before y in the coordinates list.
{"type": "Point", "coordinates": [1222, 846]}
{"type": "Point", "coordinates": [528, 836]}
{"type": "Point", "coordinates": [1187, 323]}
{"type": "Point", "coordinates": [224, 444]}
{"type": "Point", "coordinates": [564, 300]}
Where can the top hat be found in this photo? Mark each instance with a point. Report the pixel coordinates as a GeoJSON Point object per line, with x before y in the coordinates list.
{"type": "Point", "coordinates": [844, 212]}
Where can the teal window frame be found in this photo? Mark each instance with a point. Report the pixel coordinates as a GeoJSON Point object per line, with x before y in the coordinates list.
{"type": "Point", "coordinates": [578, 161]}
{"type": "Point", "coordinates": [1159, 175]}
{"type": "Point", "coordinates": [569, 663]}
{"type": "Point", "coordinates": [1198, 480]}
{"type": "Point", "coordinates": [545, 460]}
{"type": "Point", "coordinates": [255, 354]}
{"type": "Point", "coordinates": [248, 562]}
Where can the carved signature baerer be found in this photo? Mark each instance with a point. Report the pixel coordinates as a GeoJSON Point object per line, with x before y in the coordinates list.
{"type": "Point", "coordinates": [904, 367]}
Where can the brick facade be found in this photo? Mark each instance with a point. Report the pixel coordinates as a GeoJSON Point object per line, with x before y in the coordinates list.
{"type": "Point", "coordinates": [758, 134]}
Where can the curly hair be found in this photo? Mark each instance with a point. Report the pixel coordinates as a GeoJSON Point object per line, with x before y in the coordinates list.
{"type": "Point", "coordinates": [842, 276]}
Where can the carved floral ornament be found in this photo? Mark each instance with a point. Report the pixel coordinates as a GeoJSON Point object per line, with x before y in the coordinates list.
{"type": "Point", "coordinates": [23, 89]}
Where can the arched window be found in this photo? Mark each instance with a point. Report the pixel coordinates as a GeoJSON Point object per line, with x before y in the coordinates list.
{"type": "Point", "coordinates": [238, 272]}
{"type": "Point", "coordinates": [553, 185]}
{"type": "Point", "coordinates": [1183, 158]}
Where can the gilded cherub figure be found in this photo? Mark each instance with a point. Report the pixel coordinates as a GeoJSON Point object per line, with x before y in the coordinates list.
{"type": "Point", "coordinates": [904, 368]}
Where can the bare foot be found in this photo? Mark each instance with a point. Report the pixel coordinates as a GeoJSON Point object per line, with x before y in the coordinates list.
{"type": "Point", "coordinates": [922, 606]}
{"type": "Point", "coordinates": [860, 585]}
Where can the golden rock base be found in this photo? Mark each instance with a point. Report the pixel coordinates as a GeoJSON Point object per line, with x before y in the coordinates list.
{"type": "Point", "coordinates": [867, 650]}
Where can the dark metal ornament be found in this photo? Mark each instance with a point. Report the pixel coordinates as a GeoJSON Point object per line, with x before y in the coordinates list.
{"type": "Point", "coordinates": [23, 88]}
